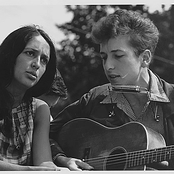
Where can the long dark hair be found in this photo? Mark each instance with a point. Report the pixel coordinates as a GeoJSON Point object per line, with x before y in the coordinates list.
{"type": "Point", "coordinates": [10, 48]}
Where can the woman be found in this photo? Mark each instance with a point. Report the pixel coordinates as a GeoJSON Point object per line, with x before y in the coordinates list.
{"type": "Point", "coordinates": [27, 69]}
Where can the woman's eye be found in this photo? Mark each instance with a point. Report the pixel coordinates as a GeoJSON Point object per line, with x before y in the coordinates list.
{"type": "Point", "coordinates": [44, 60]}
{"type": "Point", "coordinates": [30, 53]}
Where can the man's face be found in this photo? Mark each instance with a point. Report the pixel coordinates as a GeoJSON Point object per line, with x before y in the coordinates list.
{"type": "Point", "coordinates": [121, 65]}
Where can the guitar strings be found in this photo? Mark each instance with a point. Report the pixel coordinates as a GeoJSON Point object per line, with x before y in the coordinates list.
{"type": "Point", "coordinates": [124, 161]}
{"type": "Point", "coordinates": [136, 159]}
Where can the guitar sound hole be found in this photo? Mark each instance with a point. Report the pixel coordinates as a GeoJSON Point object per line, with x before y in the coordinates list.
{"type": "Point", "coordinates": [116, 160]}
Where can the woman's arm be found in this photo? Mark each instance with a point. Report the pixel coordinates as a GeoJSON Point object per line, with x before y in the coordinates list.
{"type": "Point", "coordinates": [41, 146]}
{"type": "Point", "coordinates": [6, 166]}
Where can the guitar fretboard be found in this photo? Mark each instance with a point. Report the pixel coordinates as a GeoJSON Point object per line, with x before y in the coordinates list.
{"type": "Point", "coordinates": [144, 157]}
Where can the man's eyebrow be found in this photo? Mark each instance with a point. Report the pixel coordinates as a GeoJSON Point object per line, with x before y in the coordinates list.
{"type": "Point", "coordinates": [112, 51]}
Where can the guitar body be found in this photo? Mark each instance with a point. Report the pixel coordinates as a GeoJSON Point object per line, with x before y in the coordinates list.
{"type": "Point", "coordinates": [97, 144]}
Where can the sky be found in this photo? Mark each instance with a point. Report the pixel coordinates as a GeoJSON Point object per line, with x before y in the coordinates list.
{"type": "Point", "coordinates": [13, 16]}
{"type": "Point", "coordinates": [48, 13]}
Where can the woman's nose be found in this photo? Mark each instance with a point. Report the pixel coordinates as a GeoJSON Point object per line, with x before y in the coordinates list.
{"type": "Point", "coordinates": [36, 63]}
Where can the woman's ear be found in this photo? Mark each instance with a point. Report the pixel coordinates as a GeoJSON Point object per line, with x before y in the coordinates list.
{"type": "Point", "coordinates": [146, 58]}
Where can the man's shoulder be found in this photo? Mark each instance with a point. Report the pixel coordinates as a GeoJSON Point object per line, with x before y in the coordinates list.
{"type": "Point", "coordinates": [169, 90]}
{"type": "Point", "coordinates": [168, 87]}
{"type": "Point", "coordinates": [101, 88]}
{"type": "Point", "coordinates": [99, 92]}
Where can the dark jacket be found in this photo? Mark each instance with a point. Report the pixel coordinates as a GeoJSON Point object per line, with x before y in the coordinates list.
{"type": "Point", "coordinates": [91, 105]}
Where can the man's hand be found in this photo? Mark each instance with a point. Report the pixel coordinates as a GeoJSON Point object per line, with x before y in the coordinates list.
{"type": "Point", "coordinates": [73, 164]}
{"type": "Point", "coordinates": [52, 166]}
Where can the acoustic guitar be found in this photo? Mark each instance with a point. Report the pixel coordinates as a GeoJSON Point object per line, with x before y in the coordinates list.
{"type": "Point", "coordinates": [131, 146]}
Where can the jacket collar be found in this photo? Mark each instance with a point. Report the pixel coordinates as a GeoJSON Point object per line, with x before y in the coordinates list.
{"type": "Point", "coordinates": [156, 90]}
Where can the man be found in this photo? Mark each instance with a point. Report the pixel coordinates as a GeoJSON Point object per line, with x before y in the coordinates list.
{"type": "Point", "coordinates": [135, 94]}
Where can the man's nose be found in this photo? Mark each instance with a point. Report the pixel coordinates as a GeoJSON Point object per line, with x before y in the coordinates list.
{"type": "Point", "coordinates": [109, 64]}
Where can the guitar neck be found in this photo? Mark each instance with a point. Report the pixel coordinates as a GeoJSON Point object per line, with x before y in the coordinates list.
{"type": "Point", "coordinates": [145, 157]}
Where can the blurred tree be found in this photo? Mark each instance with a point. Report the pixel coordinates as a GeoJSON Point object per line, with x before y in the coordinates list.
{"type": "Point", "coordinates": [80, 64]}
{"type": "Point", "coordinates": [163, 63]}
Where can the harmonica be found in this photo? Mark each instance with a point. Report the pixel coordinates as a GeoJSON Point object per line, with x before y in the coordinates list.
{"type": "Point", "coordinates": [129, 88]}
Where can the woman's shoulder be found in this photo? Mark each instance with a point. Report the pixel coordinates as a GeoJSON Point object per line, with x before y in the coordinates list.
{"type": "Point", "coordinates": [39, 102]}
{"type": "Point", "coordinates": [42, 109]}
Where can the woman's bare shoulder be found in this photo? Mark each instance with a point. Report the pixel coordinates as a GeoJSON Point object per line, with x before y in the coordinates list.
{"type": "Point", "coordinates": [40, 102]}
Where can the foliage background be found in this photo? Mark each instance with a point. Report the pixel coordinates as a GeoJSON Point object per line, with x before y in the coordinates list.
{"type": "Point", "coordinates": [79, 62]}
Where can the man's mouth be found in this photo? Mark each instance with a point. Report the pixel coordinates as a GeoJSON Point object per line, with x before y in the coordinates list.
{"type": "Point", "coordinates": [113, 76]}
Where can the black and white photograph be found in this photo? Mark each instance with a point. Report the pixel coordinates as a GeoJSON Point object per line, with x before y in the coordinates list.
{"type": "Point", "coordinates": [86, 86]}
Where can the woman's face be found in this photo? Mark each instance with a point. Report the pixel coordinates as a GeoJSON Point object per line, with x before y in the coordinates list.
{"type": "Point", "coordinates": [121, 65]}
{"type": "Point", "coordinates": [31, 63]}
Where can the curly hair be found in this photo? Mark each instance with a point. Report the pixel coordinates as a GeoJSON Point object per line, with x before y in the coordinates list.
{"type": "Point", "coordinates": [142, 32]}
